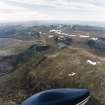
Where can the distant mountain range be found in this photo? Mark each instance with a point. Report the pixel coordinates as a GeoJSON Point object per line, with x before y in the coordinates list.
{"type": "Point", "coordinates": [49, 22]}
{"type": "Point", "coordinates": [29, 32]}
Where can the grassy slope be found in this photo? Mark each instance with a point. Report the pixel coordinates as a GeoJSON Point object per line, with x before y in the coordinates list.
{"type": "Point", "coordinates": [53, 73]}
{"type": "Point", "coordinates": [12, 85]}
{"type": "Point", "coordinates": [34, 75]}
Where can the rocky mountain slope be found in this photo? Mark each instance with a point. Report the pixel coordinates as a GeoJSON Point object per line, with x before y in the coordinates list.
{"type": "Point", "coordinates": [9, 63]}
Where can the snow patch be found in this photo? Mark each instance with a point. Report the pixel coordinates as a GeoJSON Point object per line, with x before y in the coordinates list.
{"type": "Point", "coordinates": [50, 36]}
{"type": "Point", "coordinates": [56, 31]}
{"type": "Point", "coordinates": [84, 36]}
{"type": "Point", "coordinates": [72, 74]}
{"type": "Point", "coordinates": [71, 35]}
{"type": "Point", "coordinates": [40, 32]}
{"type": "Point", "coordinates": [61, 36]}
{"type": "Point", "coordinates": [95, 39]}
{"type": "Point", "coordinates": [91, 62]}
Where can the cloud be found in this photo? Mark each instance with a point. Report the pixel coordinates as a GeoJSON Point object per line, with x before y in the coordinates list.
{"type": "Point", "coordinates": [16, 13]}
{"type": "Point", "coordinates": [52, 10]}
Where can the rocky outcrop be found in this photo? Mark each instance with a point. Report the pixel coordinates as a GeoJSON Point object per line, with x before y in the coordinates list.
{"type": "Point", "coordinates": [9, 63]}
{"type": "Point", "coordinates": [97, 43]}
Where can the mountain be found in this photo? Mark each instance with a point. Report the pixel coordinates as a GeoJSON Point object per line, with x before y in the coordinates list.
{"type": "Point", "coordinates": [69, 67]}
{"type": "Point", "coordinates": [88, 28]}
{"type": "Point", "coordinates": [52, 56]}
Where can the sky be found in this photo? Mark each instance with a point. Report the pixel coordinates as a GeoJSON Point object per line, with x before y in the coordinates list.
{"type": "Point", "coordinates": [29, 10]}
